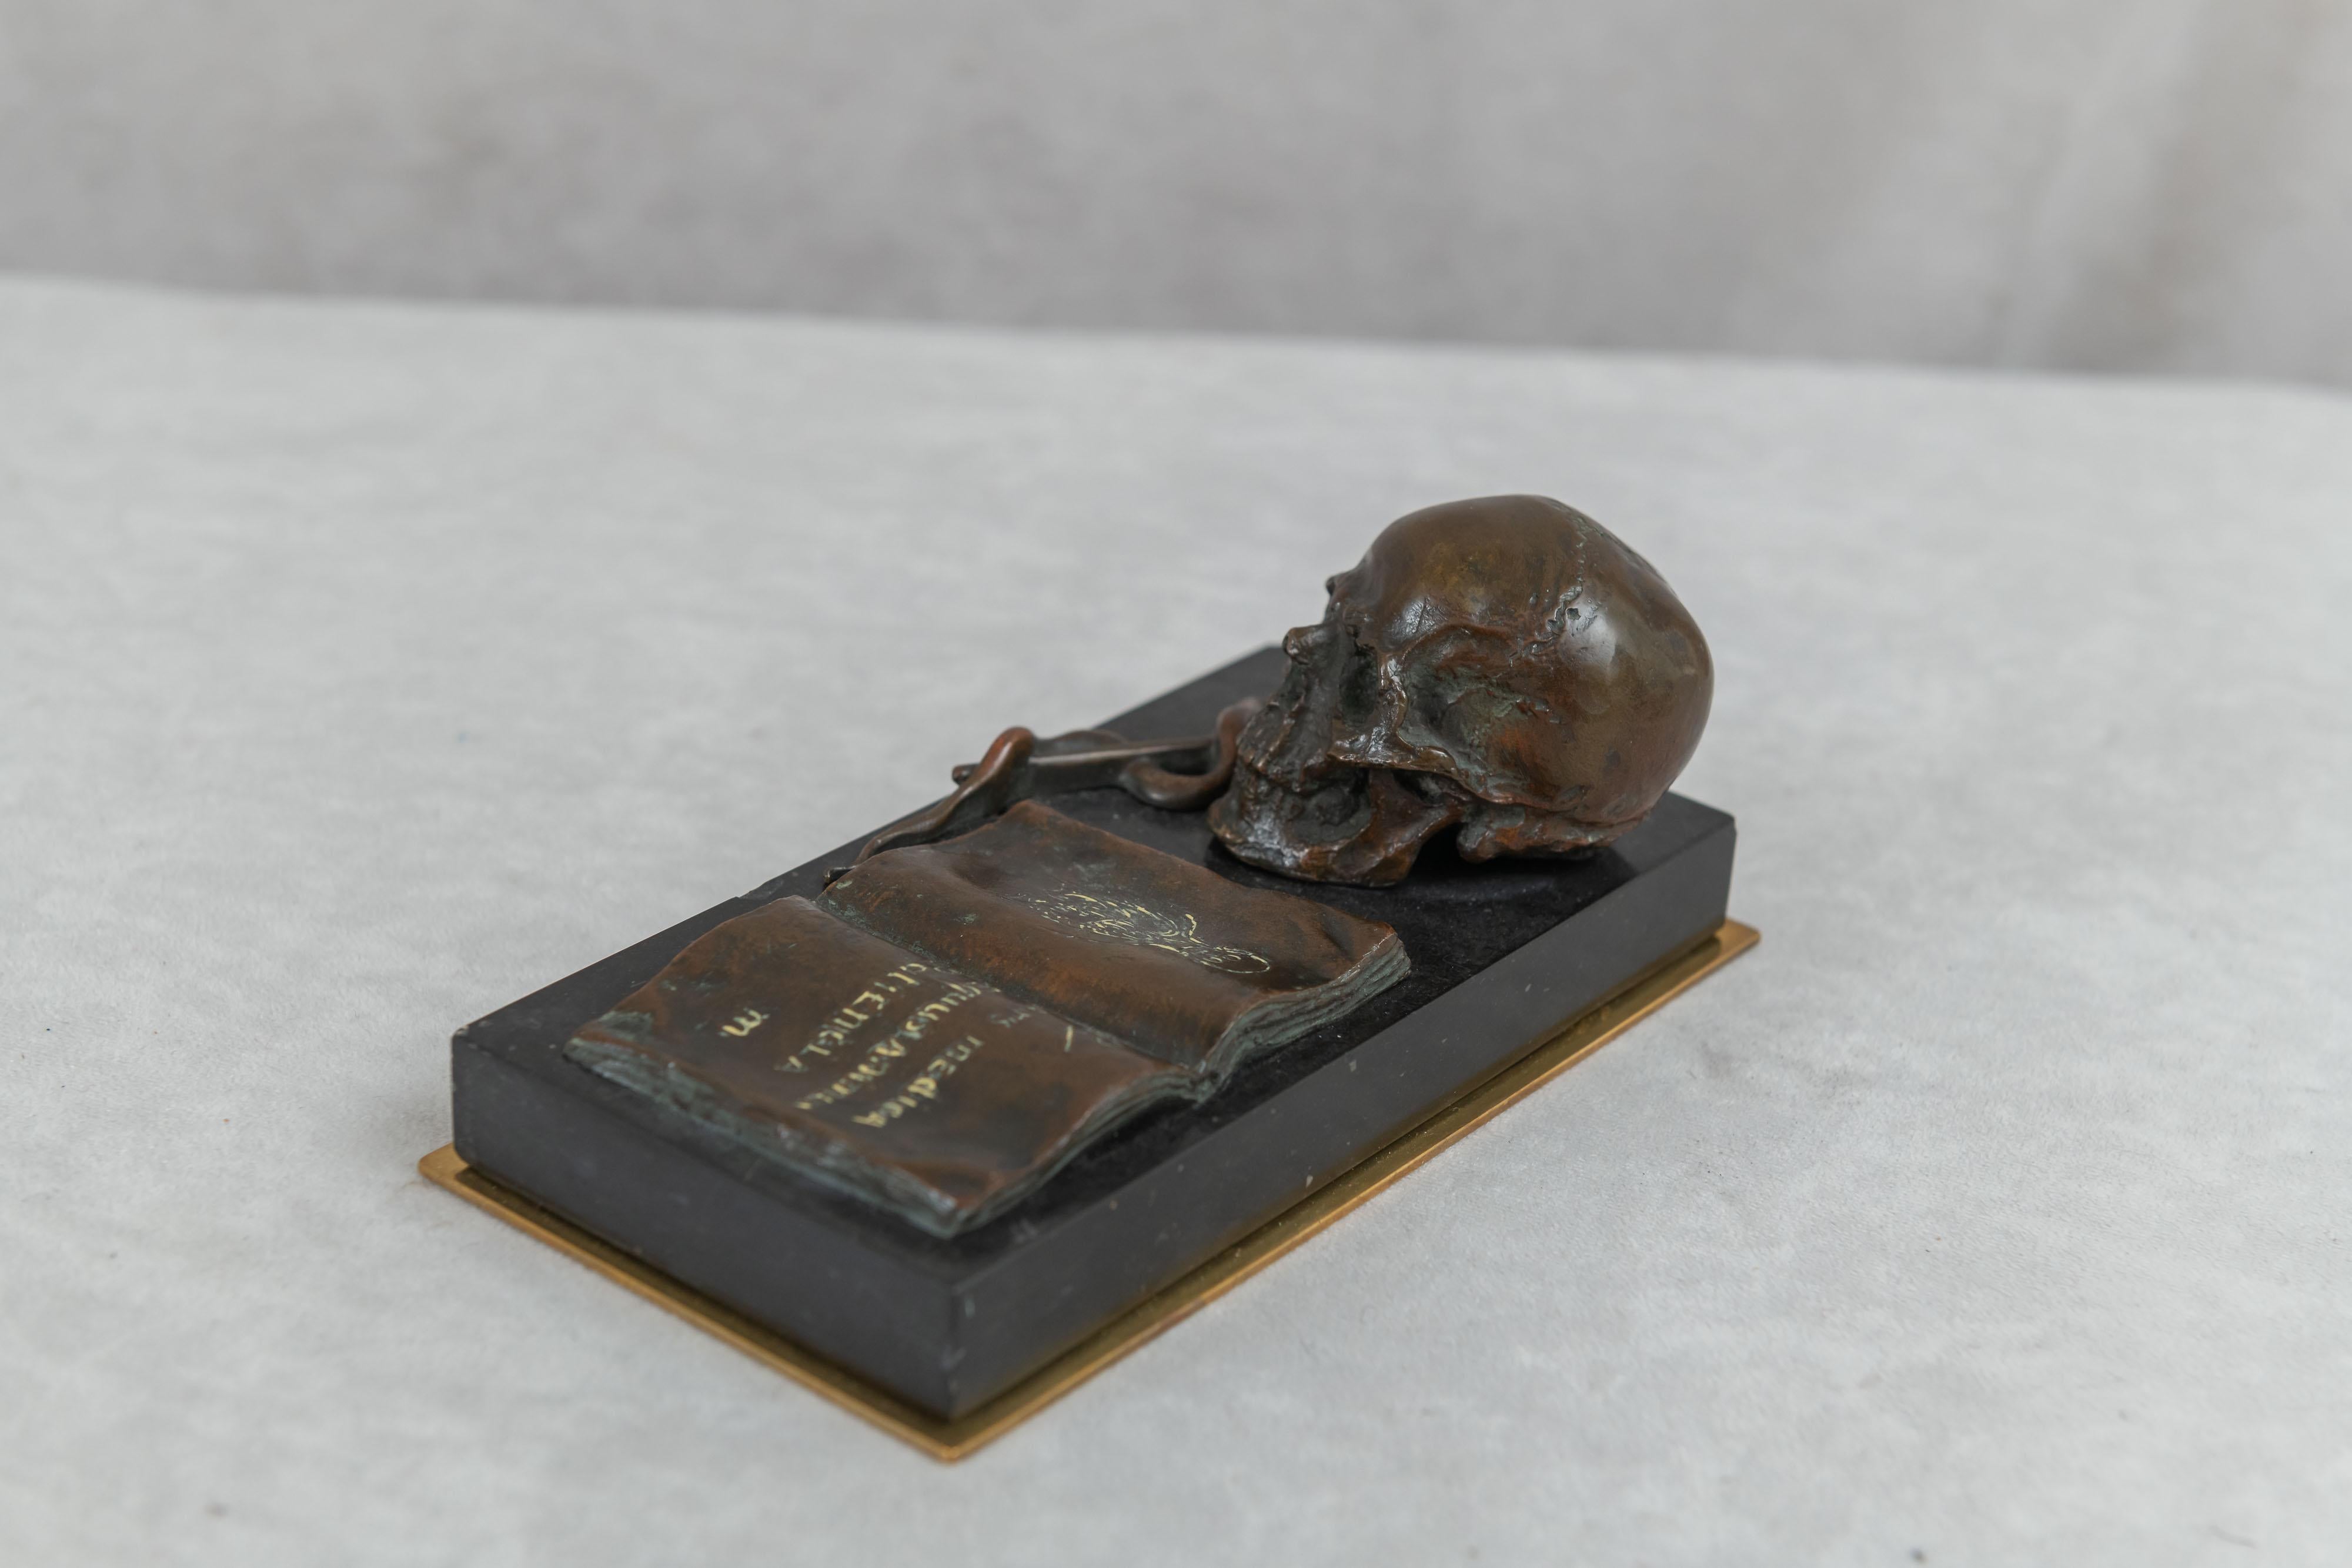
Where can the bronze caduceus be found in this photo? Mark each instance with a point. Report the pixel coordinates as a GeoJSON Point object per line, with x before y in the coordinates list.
{"type": "Point", "coordinates": [1180, 775]}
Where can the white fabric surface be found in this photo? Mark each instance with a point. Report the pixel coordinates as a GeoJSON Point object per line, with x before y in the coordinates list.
{"type": "Point", "coordinates": [2151, 184]}
{"type": "Point", "coordinates": [364, 668]}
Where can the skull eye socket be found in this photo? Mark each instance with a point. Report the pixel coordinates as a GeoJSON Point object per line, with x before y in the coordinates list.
{"type": "Point", "coordinates": [1333, 804]}
{"type": "Point", "coordinates": [1360, 689]}
{"type": "Point", "coordinates": [1468, 703]}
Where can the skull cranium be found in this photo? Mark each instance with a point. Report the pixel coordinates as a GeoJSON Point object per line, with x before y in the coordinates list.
{"type": "Point", "coordinates": [1502, 666]}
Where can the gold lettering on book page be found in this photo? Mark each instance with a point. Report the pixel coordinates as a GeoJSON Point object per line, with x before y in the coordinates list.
{"type": "Point", "coordinates": [925, 1088]}
{"type": "Point", "coordinates": [881, 1058]}
{"type": "Point", "coordinates": [1124, 920]}
{"type": "Point", "coordinates": [834, 1031]}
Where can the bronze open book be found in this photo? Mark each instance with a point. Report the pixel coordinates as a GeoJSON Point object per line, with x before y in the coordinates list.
{"type": "Point", "coordinates": [947, 1024]}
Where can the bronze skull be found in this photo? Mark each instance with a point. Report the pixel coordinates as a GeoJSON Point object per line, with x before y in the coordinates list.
{"type": "Point", "coordinates": [1502, 666]}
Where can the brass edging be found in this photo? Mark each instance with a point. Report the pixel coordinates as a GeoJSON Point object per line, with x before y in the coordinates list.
{"type": "Point", "coordinates": [953, 1438]}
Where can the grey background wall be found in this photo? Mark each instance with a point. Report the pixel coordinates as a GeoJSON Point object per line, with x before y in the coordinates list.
{"type": "Point", "coordinates": [2107, 184]}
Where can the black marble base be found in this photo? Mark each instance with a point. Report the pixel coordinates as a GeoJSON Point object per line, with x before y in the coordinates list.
{"type": "Point", "coordinates": [1503, 955]}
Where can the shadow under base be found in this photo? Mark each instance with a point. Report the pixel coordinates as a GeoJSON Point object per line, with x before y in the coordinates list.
{"type": "Point", "coordinates": [1506, 957]}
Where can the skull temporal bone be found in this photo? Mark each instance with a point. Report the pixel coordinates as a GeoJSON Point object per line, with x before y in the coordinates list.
{"type": "Point", "coordinates": [1503, 666]}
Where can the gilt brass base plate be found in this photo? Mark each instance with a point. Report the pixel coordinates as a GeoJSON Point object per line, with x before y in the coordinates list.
{"type": "Point", "coordinates": [954, 1438]}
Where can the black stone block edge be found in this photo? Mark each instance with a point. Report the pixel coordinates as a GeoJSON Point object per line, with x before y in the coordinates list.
{"type": "Point", "coordinates": [947, 1332]}
{"type": "Point", "coordinates": [899, 1326]}
{"type": "Point", "coordinates": [949, 1438]}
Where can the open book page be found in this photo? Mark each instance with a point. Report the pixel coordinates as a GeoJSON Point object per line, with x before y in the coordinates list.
{"type": "Point", "coordinates": [884, 1073]}
{"type": "Point", "coordinates": [1161, 953]}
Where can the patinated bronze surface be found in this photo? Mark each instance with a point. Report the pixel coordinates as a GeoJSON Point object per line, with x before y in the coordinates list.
{"type": "Point", "coordinates": [1179, 775]}
{"type": "Point", "coordinates": [1503, 667]}
{"type": "Point", "coordinates": [950, 1022]}
{"type": "Point", "coordinates": [1181, 963]}
{"type": "Point", "coordinates": [1502, 955]}
{"type": "Point", "coordinates": [796, 1036]}
{"type": "Point", "coordinates": [990, 986]}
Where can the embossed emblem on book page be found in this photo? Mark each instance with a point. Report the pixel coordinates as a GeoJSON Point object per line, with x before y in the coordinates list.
{"type": "Point", "coordinates": [1123, 920]}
